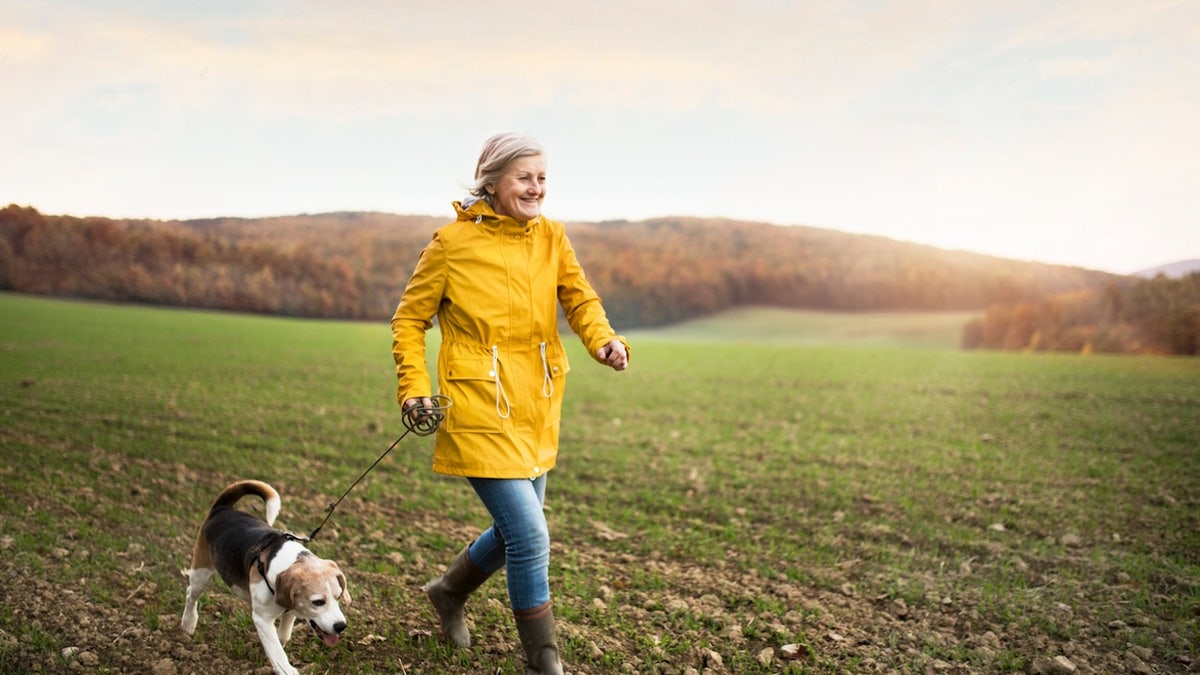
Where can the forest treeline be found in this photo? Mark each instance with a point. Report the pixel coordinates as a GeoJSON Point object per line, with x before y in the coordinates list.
{"type": "Point", "coordinates": [650, 273]}
{"type": "Point", "coordinates": [1157, 316]}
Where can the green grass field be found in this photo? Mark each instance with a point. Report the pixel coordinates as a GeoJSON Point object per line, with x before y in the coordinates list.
{"type": "Point", "coordinates": [770, 326]}
{"type": "Point", "coordinates": [769, 493]}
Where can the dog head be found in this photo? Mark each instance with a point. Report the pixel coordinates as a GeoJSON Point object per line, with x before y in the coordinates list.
{"type": "Point", "coordinates": [313, 588]}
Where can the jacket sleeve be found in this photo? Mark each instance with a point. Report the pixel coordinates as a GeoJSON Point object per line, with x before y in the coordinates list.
{"type": "Point", "coordinates": [413, 318]}
{"type": "Point", "coordinates": [580, 302]}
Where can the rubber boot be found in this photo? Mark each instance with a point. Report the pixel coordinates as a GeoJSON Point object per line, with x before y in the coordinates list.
{"type": "Point", "coordinates": [536, 628]}
{"type": "Point", "coordinates": [449, 593]}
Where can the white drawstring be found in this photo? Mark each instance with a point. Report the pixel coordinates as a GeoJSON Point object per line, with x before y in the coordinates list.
{"type": "Point", "coordinates": [547, 381]}
{"type": "Point", "coordinates": [499, 387]}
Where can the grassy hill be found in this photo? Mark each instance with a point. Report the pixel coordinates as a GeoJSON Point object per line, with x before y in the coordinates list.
{"type": "Point", "coordinates": [770, 325]}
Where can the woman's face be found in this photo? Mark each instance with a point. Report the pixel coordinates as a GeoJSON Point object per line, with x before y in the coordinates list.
{"type": "Point", "coordinates": [520, 190]}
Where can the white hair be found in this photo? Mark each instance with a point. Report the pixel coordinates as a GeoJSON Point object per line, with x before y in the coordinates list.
{"type": "Point", "coordinates": [498, 151]}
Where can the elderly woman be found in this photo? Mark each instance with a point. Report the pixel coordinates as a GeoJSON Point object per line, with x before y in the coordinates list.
{"type": "Point", "coordinates": [495, 279]}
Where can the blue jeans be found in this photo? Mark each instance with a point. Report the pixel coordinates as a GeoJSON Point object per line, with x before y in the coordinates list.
{"type": "Point", "coordinates": [518, 537]}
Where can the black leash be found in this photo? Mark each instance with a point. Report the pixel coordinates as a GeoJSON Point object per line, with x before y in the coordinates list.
{"type": "Point", "coordinates": [419, 420]}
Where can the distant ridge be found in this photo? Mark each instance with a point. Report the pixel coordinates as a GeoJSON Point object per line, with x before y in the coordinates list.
{"type": "Point", "coordinates": [354, 265]}
{"type": "Point", "coordinates": [1173, 270]}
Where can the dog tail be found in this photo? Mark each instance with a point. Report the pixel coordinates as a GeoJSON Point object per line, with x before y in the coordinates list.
{"type": "Point", "coordinates": [230, 496]}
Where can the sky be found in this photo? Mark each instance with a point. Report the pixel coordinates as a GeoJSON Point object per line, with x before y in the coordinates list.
{"type": "Point", "coordinates": [1059, 131]}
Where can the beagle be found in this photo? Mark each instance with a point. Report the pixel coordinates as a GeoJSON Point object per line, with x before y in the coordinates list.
{"type": "Point", "coordinates": [273, 570]}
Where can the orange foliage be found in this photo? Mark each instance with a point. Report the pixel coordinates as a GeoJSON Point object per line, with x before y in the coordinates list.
{"type": "Point", "coordinates": [650, 273]}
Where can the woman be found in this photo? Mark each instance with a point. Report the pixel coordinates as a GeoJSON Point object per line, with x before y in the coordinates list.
{"type": "Point", "coordinates": [495, 279]}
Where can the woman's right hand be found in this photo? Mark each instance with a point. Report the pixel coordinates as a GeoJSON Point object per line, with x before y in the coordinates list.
{"type": "Point", "coordinates": [413, 406]}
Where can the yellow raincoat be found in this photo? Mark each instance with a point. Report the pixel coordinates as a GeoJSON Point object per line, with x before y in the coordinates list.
{"type": "Point", "coordinates": [495, 284]}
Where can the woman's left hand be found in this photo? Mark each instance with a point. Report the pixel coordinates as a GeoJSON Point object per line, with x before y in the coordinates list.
{"type": "Point", "coordinates": [614, 355]}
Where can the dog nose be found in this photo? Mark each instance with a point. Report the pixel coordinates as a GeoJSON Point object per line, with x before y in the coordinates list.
{"type": "Point", "coordinates": [339, 627]}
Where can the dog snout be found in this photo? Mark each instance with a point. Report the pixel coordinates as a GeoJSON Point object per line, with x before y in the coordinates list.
{"type": "Point", "coordinates": [339, 627]}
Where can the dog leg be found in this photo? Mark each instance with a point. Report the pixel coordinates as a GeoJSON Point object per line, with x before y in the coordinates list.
{"type": "Point", "coordinates": [198, 580]}
{"type": "Point", "coordinates": [285, 626]}
{"type": "Point", "coordinates": [269, 636]}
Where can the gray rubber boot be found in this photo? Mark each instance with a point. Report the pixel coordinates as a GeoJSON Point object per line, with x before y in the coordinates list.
{"type": "Point", "coordinates": [536, 628]}
{"type": "Point", "coordinates": [449, 594]}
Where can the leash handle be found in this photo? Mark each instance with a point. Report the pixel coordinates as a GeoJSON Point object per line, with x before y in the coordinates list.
{"type": "Point", "coordinates": [424, 420]}
{"type": "Point", "coordinates": [418, 419]}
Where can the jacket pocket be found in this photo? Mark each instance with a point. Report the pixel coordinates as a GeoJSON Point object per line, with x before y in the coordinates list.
{"type": "Point", "coordinates": [471, 385]}
{"type": "Point", "coordinates": [555, 379]}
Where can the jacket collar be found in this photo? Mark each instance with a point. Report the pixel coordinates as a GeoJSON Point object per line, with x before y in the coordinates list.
{"type": "Point", "coordinates": [480, 211]}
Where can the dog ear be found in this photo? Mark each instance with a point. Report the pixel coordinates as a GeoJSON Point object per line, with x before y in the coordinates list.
{"type": "Point", "coordinates": [285, 584]}
{"type": "Point", "coordinates": [342, 581]}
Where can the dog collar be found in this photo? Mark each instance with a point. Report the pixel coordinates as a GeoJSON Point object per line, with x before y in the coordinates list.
{"type": "Point", "coordinates": [257, 552]}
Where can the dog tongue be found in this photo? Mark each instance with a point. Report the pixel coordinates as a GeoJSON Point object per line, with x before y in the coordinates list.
{"type": "Point", "coordinates": [330, 639]}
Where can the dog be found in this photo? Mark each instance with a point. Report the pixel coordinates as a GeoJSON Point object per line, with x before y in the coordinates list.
{"type": "Point", "coordinates": [281, 579]}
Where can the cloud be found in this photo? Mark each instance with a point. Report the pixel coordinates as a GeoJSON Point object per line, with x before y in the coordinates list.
{"type": "Point", "coordinates": [372, 59]}
{"type": "Point", "coordinates": [921, 120]}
